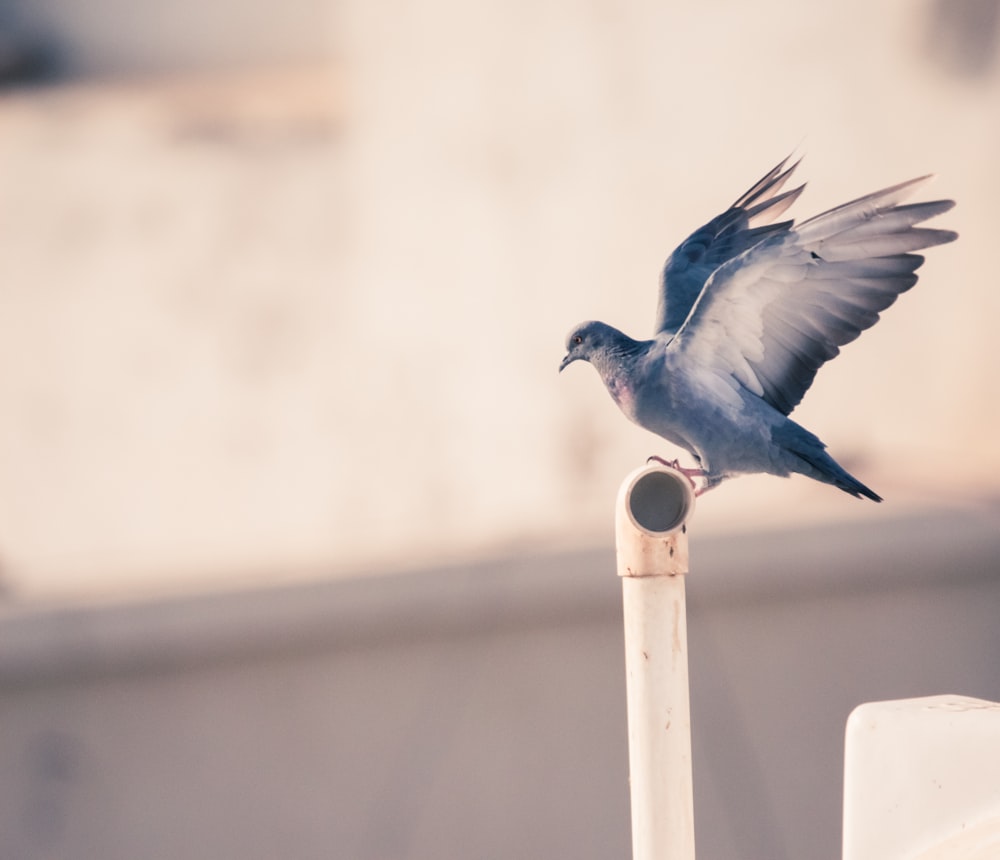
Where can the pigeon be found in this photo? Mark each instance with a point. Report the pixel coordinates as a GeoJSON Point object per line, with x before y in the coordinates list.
{"type": "Point", "coordinates": [749, 309]}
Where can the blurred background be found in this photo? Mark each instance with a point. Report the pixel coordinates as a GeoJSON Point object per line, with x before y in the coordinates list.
{"type": "Point", "coordinates": [306, 548]}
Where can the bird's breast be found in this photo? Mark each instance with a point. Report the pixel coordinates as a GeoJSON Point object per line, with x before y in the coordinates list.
{"type": "Point", "coordinates": [622, 393]}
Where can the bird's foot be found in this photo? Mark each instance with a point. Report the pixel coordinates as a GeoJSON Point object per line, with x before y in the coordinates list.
{"type": "Point", "coordinates": [677, 467]}
{"type": "Point", "coordinates": [690, 474]}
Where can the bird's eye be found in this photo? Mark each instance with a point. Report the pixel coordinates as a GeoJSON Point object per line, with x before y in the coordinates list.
{"type": "Point", "coordinates": [577, 339]}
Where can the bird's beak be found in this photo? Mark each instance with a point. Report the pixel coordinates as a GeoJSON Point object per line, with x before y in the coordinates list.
{"type": "Point", "coordinates": [568, 360]}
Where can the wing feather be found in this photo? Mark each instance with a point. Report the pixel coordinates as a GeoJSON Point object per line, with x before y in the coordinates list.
{"type": "Point", "coordinates": [748, 221]}
{"type": "Point", "coordinates": [845, 247]}
{"type": "Point", "coordinates": [771, 317]}
{"type": "Point", "coordinates": [874, 268]}
{"type": "Point", "coordinates": [857, 211]}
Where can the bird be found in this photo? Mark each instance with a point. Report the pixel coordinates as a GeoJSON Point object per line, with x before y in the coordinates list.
{"type": "Point", "coordinates": [749, 309]}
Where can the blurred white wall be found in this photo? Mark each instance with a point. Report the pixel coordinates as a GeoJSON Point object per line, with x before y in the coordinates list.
{"type": "Point", "coordinates": [310, 319]}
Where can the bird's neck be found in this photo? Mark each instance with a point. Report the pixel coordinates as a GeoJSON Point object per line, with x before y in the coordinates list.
{"type": "Point", "coordinates": [620, 358]}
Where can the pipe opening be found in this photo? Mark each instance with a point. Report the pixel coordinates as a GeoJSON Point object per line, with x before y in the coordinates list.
{"type": "Point", "coordinates": [660, 500]}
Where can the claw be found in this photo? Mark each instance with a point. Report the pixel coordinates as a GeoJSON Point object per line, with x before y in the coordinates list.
{"type": "Point", "coordinates": [677, 467]}
{"type": "Point", "coordinates": [690, 474]}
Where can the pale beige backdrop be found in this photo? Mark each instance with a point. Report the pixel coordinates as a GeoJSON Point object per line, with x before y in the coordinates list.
{"type": "Point", "coordinates": [298, 309]}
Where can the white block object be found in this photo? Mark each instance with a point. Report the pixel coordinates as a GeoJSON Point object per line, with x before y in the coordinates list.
{"type": "Point", "coordinates": [922, 780]}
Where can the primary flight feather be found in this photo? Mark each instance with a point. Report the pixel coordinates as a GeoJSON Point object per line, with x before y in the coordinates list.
{"type": "Point", "coordinates": [749, 310]}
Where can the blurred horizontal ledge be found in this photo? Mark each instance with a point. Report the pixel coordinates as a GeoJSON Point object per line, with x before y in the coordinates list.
{"type": "Point", "coordinates": [935, 549]}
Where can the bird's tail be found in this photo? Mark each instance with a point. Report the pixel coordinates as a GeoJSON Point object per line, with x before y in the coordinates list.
{"type": "Point", "coordinates": [806, 454]}
{"type": "Point", "coordinates": [821, 466]}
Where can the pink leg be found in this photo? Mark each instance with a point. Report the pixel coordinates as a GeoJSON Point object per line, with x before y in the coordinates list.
{"type": "Point", "coordinates": [676, 466]}
{"type": "Point", "coordinates": [690, 474]}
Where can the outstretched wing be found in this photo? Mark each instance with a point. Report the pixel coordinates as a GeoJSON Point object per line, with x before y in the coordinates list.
{"type": "Point", "coordinates": [771, 317]}
{"type": "Point", "coordinates": [743, 225]}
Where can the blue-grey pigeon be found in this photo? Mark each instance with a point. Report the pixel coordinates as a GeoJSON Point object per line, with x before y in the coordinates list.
{"type": "Point", "coordinates": [749, 310]}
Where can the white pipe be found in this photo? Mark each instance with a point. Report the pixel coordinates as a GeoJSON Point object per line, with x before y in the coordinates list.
{"type": "Point", "coordinates": [653, 507]}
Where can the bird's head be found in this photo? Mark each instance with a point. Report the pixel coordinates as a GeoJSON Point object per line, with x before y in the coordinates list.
{"type": "Point", "coordinates": [593, 342]}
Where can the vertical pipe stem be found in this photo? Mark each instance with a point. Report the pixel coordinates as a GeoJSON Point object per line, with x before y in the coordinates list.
{"type": "Point", "coordinates": [653, 506]}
